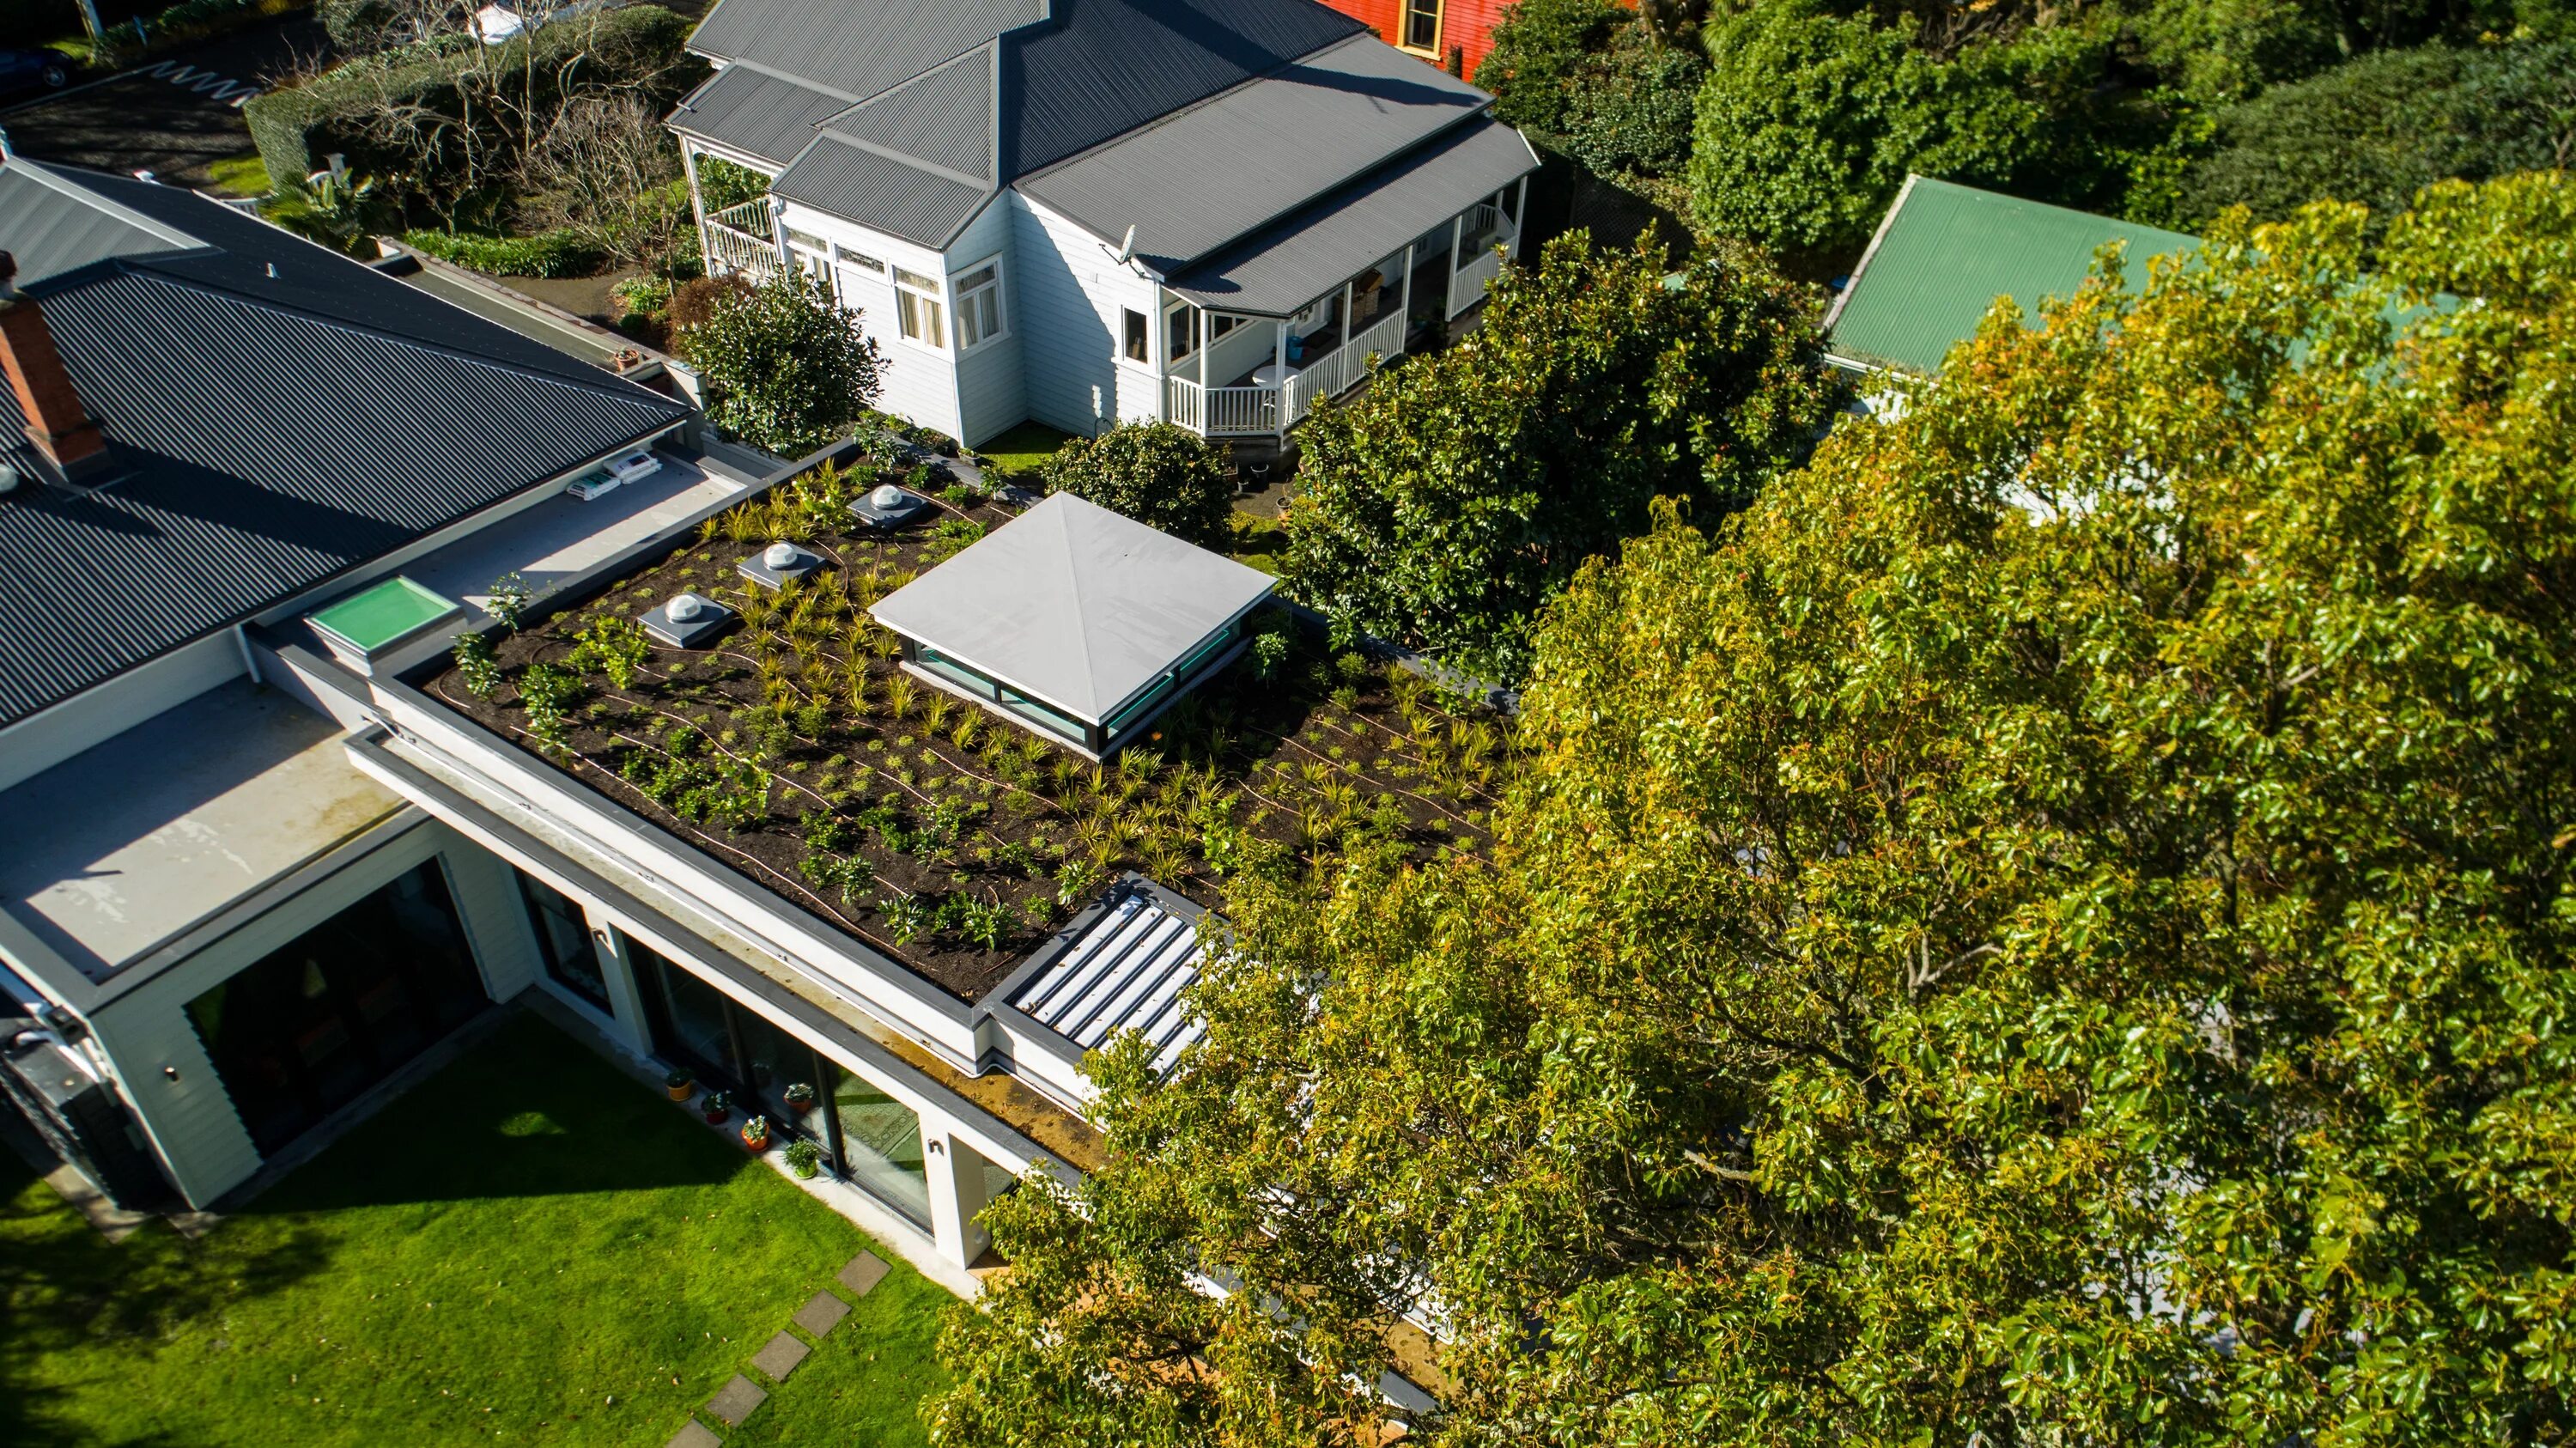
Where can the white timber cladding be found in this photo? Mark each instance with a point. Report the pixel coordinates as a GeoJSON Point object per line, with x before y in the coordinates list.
{"type": "Point", "coordinates": [1073, 293]}
{"type": "Point", "coordinates": [920, 380]}
{"type": "Point", "coordinates": [991, 392]}
{"type": "Point", "coordinates": [153, 1049]}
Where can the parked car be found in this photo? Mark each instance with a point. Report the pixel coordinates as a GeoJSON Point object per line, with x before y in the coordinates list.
{"type": "Point", "coordinates": [26, 70]}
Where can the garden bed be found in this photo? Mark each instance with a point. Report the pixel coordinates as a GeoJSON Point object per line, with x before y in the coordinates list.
{"type": "Point", "coordinates": [800, 753]}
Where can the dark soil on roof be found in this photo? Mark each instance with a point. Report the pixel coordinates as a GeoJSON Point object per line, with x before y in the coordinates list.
{"type": "Point", "coordinates": [945, 836]}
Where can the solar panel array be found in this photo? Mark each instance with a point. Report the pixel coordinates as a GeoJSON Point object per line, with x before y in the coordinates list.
{"type": "Point", "coordinates": [1125, 972]}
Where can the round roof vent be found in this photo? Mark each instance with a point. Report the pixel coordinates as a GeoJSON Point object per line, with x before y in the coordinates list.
{"type": "Point", "coordinates": [685, 608]}
{"type": "Point", "coordinates": [779, 555]}
{"type": "Point", "coordinates": [887, 495]}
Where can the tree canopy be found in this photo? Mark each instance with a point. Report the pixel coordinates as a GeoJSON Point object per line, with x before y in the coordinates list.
{"type": "Point", "coordinates": [2053, 923]}
{"type": "Point", "coordinates": [1463, 489]}
{"type": "Point", "coordinates": [786, 367]}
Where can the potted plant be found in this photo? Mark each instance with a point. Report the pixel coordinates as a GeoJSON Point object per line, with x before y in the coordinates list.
{"type": "Point", "coordinates": [804, 1158]}
{"type": "Point", "coordinates": [717, 1107]}
{"type": "Point", "coordinates": [755, 1134]}
{"type": "Point", "coordinates": [679, 1084]}
{"type": "Point", "coordinates": [800, 1096]}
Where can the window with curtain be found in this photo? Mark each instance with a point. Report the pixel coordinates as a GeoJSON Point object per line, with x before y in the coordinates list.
{"type": "Point", "coordinates": [918, 312]}
{"type": "Point", "coordinates": [979, 306]}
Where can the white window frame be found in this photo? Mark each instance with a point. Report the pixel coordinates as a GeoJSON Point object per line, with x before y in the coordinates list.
{"type": "Point", "coordinates": [813, 263]}
{"type": "Point", "coordinates": [913, 290]}
{"type": "Point", "coordinates": [1144, 314]}
{"type": "Point", "coordinates": [1186, 331]}
{"type": "Point", "coordinates": [966, 299]}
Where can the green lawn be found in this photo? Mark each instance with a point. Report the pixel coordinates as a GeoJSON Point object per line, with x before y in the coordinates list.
{"type": "Point", "coordinates": [242, 175]}
{"type": "Point", "coordinates": [528, 1248]}
{"type": "Point", "coordinates": [1024, 448]}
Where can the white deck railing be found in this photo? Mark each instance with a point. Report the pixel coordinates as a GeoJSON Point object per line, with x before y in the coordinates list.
{"type": "Point", "coordinates": [743, 240]}
{"type": "Point", "coordinates": [1468, 287]}
{"type": "Point", "coordinates": [1345, 367]}
{"type": "Point", "coordinates": [1251, 411]}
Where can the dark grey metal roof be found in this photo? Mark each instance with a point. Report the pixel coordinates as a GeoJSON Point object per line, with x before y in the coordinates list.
{"type": "Point", "coordinates": [49, 237]}
{"type": "Point", "coordinates": [855, 47]}
{"type": "Point", "coordinates": [268, 433]}
{"type": "Point", "coordinates": [1299, 257]}
{"type": "Point", "coordinates": [891, 195]}
{"type": "Point", "coordinates": [1074, 604]}
{"type": "Point", "coordinates": [1125, 972]}
{"type": "Point", "coordinates": [943, 117]}
{"type": "Point", "coordinates": [1101, 68]}
{"type": "Point", "coordinates": [767, 117]}
{"type": "Point", "coordinates": [1203, 176]}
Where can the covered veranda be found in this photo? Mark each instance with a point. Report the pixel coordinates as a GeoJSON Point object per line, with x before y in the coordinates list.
{"type": "Point", "coordinates": [1254, 336]}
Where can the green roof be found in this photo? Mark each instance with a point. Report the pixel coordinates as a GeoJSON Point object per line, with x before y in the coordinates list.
{"type": "Point", "coordinates": [387, 614]}
{"type": "Point", "coordinates": [1946, 252]}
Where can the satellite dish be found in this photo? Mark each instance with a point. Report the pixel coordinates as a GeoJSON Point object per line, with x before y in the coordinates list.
{"type": "Point", "coordinates": [887, 495]}
{"type": "Point", "coordinates": [779, 555]}
{"type": "Point", "coordinates": [685, 608]}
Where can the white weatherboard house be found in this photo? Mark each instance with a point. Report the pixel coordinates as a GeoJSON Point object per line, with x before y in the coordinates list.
{"type": "Point", "coordinates": [1207, 212]}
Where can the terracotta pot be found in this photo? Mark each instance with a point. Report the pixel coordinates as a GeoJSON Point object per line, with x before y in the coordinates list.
{"type": "Point", "coordinates": [756, 1143]}
{"type": "Point", "coordinates": [683, 1091]}
{"type": "Point", "coordinates": [716, 1118]}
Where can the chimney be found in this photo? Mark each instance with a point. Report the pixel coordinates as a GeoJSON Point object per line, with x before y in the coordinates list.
{"type": "Point", "coordinates": [56, 422]}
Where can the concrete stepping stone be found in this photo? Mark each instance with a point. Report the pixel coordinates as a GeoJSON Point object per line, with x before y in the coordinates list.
{"type": "Point", "coordinates": [696, 1435]}
{"type": "Point", "coordinates": [734, 1401]}
{"type": "Point", "coordinates": [822, 1314]}
{"type": "Point", "coordinates": [781, 1356]}
{"type": "Point", "coordinates": [864, 1272]}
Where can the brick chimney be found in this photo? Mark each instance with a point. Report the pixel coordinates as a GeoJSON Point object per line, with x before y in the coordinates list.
{"type": "Point", "coordinates": [56, 422]}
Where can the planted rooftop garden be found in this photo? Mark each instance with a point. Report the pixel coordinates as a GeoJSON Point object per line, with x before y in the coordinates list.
{"type": "Point", "coordinates": [796, 748]}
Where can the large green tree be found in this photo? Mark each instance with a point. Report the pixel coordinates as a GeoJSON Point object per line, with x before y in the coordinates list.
{"type": "Point", "coordinates": [1447, 504]}
{"type": "Point", "coordinates": [2053, 926]}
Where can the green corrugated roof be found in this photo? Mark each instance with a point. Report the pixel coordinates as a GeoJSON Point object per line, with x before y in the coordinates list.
{"type": "Point", "coordinates": [1946, 252]}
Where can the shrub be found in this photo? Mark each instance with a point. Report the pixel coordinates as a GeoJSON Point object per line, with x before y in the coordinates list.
{"type": "Point", "coordinates": [722, 185]}
{"type": "Point", "coordinates": [547, 254]}
{"type": "Point", "coordinates": [1633, 111]}
{"type": "Point", "coordinates": [355, 25]}
{"type": "Point", "coordinates": [786, 367]}
{"type": "Point", "coordinates": [1161, 475]}
{"type": "Point", "coordinates": [1541, 48]}
{"type": "Point", "coordinates": [642, 46]}
{"type": "Point", "coordinates": [694, 301]}
{"type": "Point", "coordinates": [2383, 127]}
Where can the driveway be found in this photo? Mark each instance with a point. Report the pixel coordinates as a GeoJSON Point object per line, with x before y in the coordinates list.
{"type": "Point", "coordinates": [173, 117]}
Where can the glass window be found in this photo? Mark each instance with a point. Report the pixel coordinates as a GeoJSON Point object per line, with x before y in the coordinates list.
{"type": "Point", "coordinates": [979, 307]}
{"type": "Point", "coordinates": [1181, 331]}
{"type": "Point", "coordinates": [563, 940]}
{"type": "Point", "coordinates": [303, 1031]}
{"type": "Point", "coordinates": [808, 241]}
{"type": "Point", "coordinates": [1422, 24]}
{"type": "Point", "coordinates": [1137, 348]}
{"type": "Point", "coordinates": [860, 260]}
{"type": "Point", "coordinates": [881, 1147]}
{"type": "Point", "coordinates": [1219, 324]}
{"type": "Point", "coordinates": [918, 313]}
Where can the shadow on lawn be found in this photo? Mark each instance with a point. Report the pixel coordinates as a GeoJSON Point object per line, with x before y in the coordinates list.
{"type": "Point", "coordinates": [528, 1113]}
{"type": "Point", "coordinates": [63, 1288]}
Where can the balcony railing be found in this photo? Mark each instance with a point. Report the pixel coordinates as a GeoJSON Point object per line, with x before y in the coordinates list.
{"type": "Point", "coordinates": [1252, 411]}
{"type": "Point", "coordinates": [743, 240]}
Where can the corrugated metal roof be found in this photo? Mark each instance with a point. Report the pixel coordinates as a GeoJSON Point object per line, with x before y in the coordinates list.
{"type": "Point", "coordinates": [1256, 151]}
{"type": "Point", "coordinates": [49, 238]}
{"type": "Point", "coordinates": [1300, 257]}
{"type": "Point", "coordinates": [880, 191]}
{"type": "Point", "coordinates": [1074, 604]}
{"type": "Point", "coordinates": [1125, 972]}
{"type": "Point", "coordinates": [765, 116]}
{"type": "Point", "coordinates": [1946, 252]}
{"type": "Point", "coordinates": [1105, 67]}
{"type": "Point", "coordinates": [855, 47]}
{"type": "Point", "coordinates": [270, 433]}
{"type": "Point", "coordinates": [943, 116]}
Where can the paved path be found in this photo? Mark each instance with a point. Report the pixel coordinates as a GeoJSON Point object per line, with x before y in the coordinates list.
{"type": "Point", "coordinates": [173, 117]}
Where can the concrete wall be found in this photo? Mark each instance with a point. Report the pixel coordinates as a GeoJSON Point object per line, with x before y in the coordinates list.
{"type": "Point", "coordinates": [43, 740]}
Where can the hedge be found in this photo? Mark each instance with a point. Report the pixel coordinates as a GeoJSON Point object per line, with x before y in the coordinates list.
{"type": "Point", "coordinates": [547, 254]}
{"type": "Point", "coordinates": [294, 129]}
